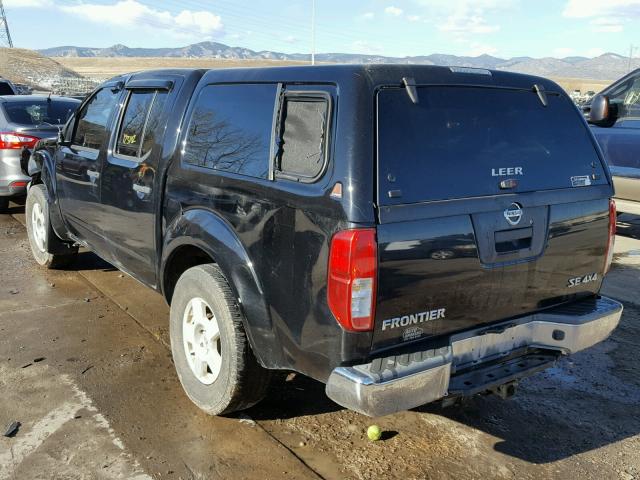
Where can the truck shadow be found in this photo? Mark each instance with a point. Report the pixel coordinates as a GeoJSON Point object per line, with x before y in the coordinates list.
{"type": "Point", "coordinates": [291, 396]}
{"type": "Point", "coordinates": [541, 437]}
{"type": "Point", "coordinates": [90, 261]}
{"type": "Point", "coordinates": [628, 225]}
{"type": "Point", "coordinates": [586, 402]}
{"type": "Point", "coordinates": [16, 206]}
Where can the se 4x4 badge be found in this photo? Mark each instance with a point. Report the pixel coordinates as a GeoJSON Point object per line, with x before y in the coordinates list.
{"type": "Point", "coordinates": [575, 281]}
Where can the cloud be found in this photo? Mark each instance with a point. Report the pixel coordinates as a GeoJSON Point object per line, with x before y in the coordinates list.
{"type": "Point", "coordinates": [602, 8]}
{"type": "Point", "coordinates": [467, 24]}
{"type": "Point", "coordinates": [414, 18]}
{"type": "Point", "coordinates": [608, 16]}
{"type": "Point", "coordinates": [464, 18]}
{"type": "Point", "coordinates": [368, 16]}
{"type": "Point", "coordinates": [289, 39]}
{"type": "Point", "coordinates": [607, 25]}
{"type": "Point", "coordinates": [395, 11]}
{"type": "Point", "coordinates": [27, 3]}
{"type": "Point", "coordinates": [132, 14]}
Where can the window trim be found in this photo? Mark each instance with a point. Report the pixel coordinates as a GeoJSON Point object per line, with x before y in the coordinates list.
{"type": "Point", "coordinates": [312, 95]}
{"type": "Point", "coordinates": [139, 158]}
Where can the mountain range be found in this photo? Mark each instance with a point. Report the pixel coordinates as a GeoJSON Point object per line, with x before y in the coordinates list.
{"type": "Point", "coordinates": [607, 66]}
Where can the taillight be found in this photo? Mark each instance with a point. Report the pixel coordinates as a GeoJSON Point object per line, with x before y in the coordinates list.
{"type": "Point", "coordinates": [351, 287]}
{"type": "Point", "coordinates": [612, 235]}
{"type": "Point", "coordinates": [15, 140]}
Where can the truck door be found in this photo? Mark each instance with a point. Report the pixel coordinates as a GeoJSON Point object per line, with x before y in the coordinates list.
{"type": "Point", "coordinates": [78, 166]}
{"type": "Point", "coordinates": [128, 178]}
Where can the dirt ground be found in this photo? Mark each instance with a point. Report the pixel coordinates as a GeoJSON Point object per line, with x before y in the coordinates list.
{"type": "Point", "coordinates": [571, 84]}
{"type": "Point", "coordinates": [85, 368]}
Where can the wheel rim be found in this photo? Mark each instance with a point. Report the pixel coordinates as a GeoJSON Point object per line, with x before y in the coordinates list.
{"type": "Point", "coordinates": [201, 339]}
{"type": "Point", "coordinates": [38, 226]}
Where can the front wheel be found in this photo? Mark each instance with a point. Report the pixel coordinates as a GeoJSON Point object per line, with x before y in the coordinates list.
{"type": "Point", "coordinates": [4, 204]}
{"type": "Point", "coordinates": [41, 233]}
{"type": "Point", "coordinates": [211, 352]}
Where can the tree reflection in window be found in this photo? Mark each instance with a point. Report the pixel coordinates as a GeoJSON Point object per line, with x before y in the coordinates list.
{"type": "Point", "coordinates": [230, 129]}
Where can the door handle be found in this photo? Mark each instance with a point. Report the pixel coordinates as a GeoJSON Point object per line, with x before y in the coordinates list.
{"type": "Point", "coordinates": [511, 235]}
{"type": "Point", "coordinates": [93, 174]}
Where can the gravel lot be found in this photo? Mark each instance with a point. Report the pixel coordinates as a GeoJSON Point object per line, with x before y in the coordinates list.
{"type": "Point", "coordinates": [85, 369]}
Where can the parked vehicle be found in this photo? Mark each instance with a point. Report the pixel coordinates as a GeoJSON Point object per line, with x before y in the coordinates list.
{"type": "Point", "coordinates": [404, 234]}
{"type": "Point", "coordinates": [615, 118]}
{"type": "Point", "coordinates": [23, 121]}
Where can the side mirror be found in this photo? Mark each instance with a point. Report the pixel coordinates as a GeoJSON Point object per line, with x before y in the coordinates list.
{"type": "Point", "coordinates": [601, 113]}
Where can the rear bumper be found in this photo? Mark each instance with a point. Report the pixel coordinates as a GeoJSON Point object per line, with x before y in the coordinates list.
{"type": "Point", "coordinates": [401, 382]}
{"type": "Point", "coordinates": [10, 172]}
{"type": "Point", "coordinates": [12, 190]}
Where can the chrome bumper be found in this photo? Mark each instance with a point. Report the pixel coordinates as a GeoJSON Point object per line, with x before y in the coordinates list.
{"type": "Point", "coordinates": [389, 385]}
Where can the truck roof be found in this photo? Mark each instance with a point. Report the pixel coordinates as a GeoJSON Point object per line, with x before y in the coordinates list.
{"type": "Point", "coordinates": [373, 74]}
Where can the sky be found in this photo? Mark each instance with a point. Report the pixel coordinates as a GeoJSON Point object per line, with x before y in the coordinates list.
{"type": "Point", "coordinates": [503, 28]}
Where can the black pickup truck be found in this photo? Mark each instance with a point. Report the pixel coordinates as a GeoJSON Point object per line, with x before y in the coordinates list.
{"type": "Point", "coordinates": [404, 234]}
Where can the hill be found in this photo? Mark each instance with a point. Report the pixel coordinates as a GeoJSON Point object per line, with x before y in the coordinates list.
{"type": "Point", "coordinates": [32, 68]}
{"type": "Point", "coordinates": [608, 66]}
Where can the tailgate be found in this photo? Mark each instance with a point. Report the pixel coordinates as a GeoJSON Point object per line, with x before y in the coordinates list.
{"type": "Point", "coordinates": [442, 275]}
{"type": "Point", "coordinates": [448, 262]}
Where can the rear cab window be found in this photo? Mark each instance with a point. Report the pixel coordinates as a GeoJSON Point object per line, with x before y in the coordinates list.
{"type": "Point", "coordinates": [464, 141]}
{"type": "Point", "coordinates": [230, 129]}
{"type": "Point", "coordinates": [139, 125]}
{"type": "Point", "coordinates": [302, 138]}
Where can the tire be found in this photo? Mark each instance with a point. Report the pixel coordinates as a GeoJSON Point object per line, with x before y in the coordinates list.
{"type": "Point", "coordinates": [40, 232]}
{"type": "Point", "coordinates": [4, 204]}
{"type": "Point", "coordinates": [219, 384]}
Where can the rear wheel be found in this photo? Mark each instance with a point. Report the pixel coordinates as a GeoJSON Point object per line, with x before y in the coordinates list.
{"type": "Point", "coordinates": [211, 352]}
{"type": "Point", "coordinates": [41, 233]}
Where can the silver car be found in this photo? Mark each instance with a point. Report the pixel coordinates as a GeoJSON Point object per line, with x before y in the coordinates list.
{"type": "Point", "coordinates": [25, 119]}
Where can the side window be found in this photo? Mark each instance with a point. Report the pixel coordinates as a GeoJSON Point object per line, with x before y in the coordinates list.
{"type": "Point", "coordinates": [230, 129]}
{"type": "Point", "coordinates": [303, 136]}
{"type": "Point", "coordinates": [91, 129]}
{"type": "Point", "coordinates": [627, 98]}
{"type": "Point", "coordinates": [152, 131]}
{"type": "Point", "coordinates": [138, 128]}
